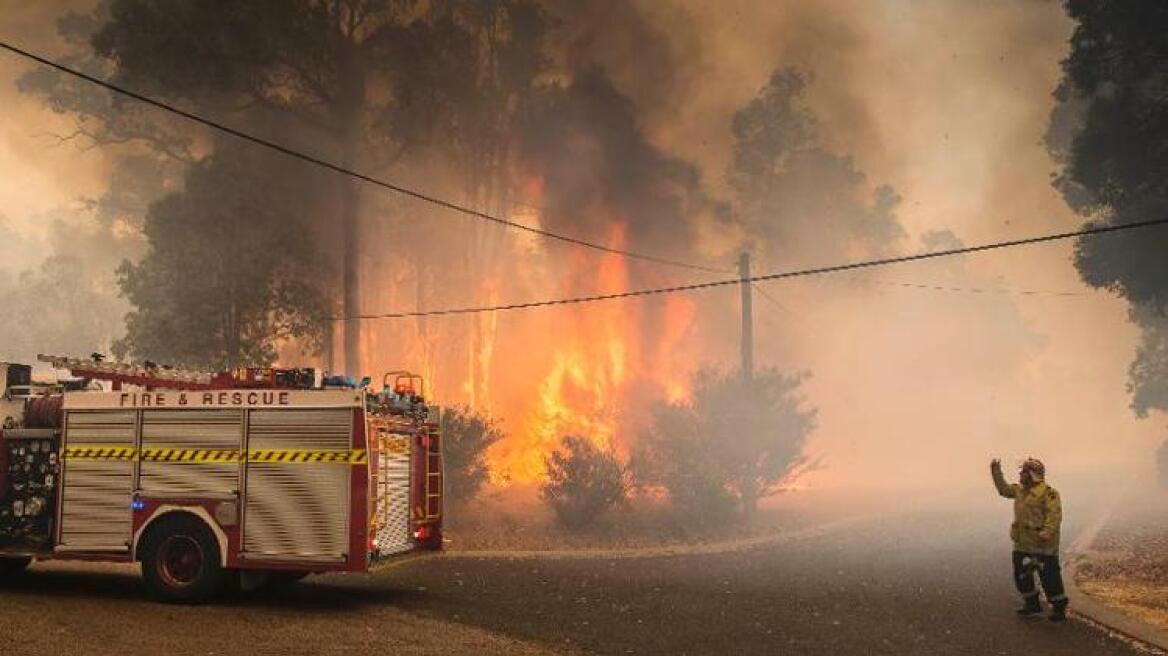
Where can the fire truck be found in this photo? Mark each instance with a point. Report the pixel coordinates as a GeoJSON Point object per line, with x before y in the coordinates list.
{"type": "Point", "coordinates": [211, 481]}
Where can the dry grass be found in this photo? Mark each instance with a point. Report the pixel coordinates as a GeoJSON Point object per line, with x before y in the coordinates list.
{"type": "Point", "coordinates": [1128, 567]}
{"type": "Point", "coordinates": [1139, 599]}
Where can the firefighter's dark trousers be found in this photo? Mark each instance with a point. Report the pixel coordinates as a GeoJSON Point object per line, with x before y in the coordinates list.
{"type": "Point", "coordinates": [1048, 570]}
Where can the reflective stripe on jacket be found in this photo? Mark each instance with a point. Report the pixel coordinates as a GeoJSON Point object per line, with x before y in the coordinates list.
{"type": "Point", "coordinates": [1038, 515]}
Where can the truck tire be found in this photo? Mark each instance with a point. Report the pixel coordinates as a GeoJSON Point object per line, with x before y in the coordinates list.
{"type": "Point", "coordinates": [10, 565]}
{"type": "Point", "coordinates": [180, 561]}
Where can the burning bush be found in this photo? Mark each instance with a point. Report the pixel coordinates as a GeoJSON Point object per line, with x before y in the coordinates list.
{"type": "Point", "coordinates": [583, 481]}
{"type": "Point", "coordinates": [467, 436]}
{"type": "Point", "coordinates": [734, 444]}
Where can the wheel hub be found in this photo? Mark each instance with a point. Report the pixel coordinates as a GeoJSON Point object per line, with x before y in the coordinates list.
{"type": "Point", "coordinates": [180, 559]}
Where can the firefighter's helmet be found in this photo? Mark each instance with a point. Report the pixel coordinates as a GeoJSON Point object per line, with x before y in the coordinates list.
{"type": "Point", "coordinates": [1035, 466]}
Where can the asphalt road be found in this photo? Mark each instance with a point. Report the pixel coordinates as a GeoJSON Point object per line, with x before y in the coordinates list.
{"type": "Point", "coordinates": [915, 583]}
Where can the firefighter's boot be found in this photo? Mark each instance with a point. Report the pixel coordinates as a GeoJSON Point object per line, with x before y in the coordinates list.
{"type": "Point", "coordinates": [1031, 608]}
{"type": "Point", "coordinates": [1058, 613]}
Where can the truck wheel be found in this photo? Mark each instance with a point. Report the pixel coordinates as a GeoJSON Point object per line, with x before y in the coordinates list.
{"type": "Point", "coordinates": [10, 565]}
{"type": "Point", "coordinates": [180, 561]}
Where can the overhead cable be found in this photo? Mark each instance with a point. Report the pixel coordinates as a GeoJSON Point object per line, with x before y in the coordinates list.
{"type": "Point", "coordinates": [968, 290]}
{"type": "Point", "coordinates": [782, 275]}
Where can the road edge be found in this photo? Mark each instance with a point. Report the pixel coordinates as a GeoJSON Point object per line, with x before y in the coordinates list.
{"type": "Point", "coordinates": [1086, 606]}
{"type": "Point", "coordinates": [708, 548]}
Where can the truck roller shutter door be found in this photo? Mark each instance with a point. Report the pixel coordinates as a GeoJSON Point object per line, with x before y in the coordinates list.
{"type": "Point", "coordinates": [98, 478]}
{"type": "Point", "coordinates": [191, 452]}
{"type": "Point", "coordinates": [297, 484]}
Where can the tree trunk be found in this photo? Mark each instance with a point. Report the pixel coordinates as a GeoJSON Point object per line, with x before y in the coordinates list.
{"type": "Point", "coordinates": [348, 112]}
{"type": "Point", "coordinates": [351, 295]}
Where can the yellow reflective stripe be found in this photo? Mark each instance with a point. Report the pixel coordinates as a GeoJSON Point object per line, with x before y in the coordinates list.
{"type": "Point", "coordinates": [190, 455]}
{"type": "Point", "coordinates": [99, 452]}
{"type": "Point", "coordinates": [305, 456]}
{"type": "Point", "coordinates": [298, 456]}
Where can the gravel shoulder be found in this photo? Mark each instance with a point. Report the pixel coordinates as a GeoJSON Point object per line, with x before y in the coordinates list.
{"type": "Point", "coordinates": [1126, 565]}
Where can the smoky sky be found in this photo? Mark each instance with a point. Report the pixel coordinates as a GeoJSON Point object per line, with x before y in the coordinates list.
{"type": "Point", "coordinates": [946, 101]}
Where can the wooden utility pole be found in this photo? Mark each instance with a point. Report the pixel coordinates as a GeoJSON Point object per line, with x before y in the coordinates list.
{"type": "Point", "coordinates": [747, 319]}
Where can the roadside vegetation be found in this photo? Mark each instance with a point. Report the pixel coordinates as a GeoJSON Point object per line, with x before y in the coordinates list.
{"type": "Point", "coordinates": [703, 464]}
{"type": "Point", "coordinates": [583, 482]}
{"type": "Point", "coordinates": [735, 443]}
{"type": "Point", "coordinates": [466, 436]}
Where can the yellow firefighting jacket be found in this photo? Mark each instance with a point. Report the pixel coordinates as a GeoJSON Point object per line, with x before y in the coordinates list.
{"type": "Point", "coordinates": [1038, 515]}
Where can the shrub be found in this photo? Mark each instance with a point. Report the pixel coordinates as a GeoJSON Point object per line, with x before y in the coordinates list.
{"type": "Point", "coordinates": [467, 435]}
{"type": "Point", "coordinates": [733, 445]}
{"type": "Point", "coordinates": [672, 455]}
{"type": "Point", "coordinates": [583, 482]}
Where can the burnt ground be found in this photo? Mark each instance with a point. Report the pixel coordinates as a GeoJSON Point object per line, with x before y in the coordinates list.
{"type": "Point", "coordinates": [912, 583]}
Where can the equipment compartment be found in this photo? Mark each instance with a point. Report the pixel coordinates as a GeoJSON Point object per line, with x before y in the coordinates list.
{"type": "Point", "coordinates": [30, 469]}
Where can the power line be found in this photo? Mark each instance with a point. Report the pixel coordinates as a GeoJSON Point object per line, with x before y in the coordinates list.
{"type": "Point", "coordinates": [969, 290]}
{"type": "Point", "coordinates": [783, 275]}
{"type": "Point", "coordinates": [800, 320]}
{"type": "Point", "coordinates": [774, 301]}
{"type": "Point", "coordinates": [405, 191]}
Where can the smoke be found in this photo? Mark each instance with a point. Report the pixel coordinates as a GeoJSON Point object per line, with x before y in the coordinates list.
{"type": "Point", "coordinates": [945, 102]}
{"type": "Point", "coordinates": [948, 103]}
{"type": "Point", "coordinates": [57, 254]}
{"type": "Point", "coordinates": [596, 168]}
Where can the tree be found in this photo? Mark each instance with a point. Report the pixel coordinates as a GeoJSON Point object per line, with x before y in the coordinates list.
{"type": "Point", "coordinates": [1107, 135]}
{"type": "Point", "coordinates": [148, 150]}
{"type": "Point", "coordinates": [55, 309]}
{"type": "Point", "coordinates": [473, 68]}
{"type": "Point", "coordinates": [313, 72]}
{"type": "Point", "coordinates": [227, 274]}
{"type": "Point", "coordinates": [583, 481]}
{"type": "Point", "coordinates": [104, 119]}
{"type": "Point", "coordinates": [466, 437]}
{"type": "Point", "coordinates": [795, 196]}
{"type": "Point", "coordinates": [735, 439]}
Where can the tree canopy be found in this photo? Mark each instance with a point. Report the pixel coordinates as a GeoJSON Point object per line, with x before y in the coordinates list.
{"type": "Point", "coordinates": [795, 195]}
{"type": "Point", "coordinates": [1107, 134]}
{"type": "Point", "coordinates": [228, 273]}
{"type": "Point", "coordinates": [362, 83]}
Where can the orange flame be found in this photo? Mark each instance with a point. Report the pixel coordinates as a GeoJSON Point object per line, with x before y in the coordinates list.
{"type": "Point", "coordinates": [587, 370]}
{"type": "Point", "coordinates": [595, 362]}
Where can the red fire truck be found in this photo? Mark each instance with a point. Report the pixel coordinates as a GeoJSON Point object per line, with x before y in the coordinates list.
{"type": "Point", "coordinates": [212, 480]}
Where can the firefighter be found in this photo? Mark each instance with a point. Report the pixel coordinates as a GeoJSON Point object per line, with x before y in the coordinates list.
{"type": "Point", "coordinates": [1038, 517]}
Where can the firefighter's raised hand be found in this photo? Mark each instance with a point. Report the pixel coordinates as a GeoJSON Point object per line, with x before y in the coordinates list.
{"type": "Point", "coordinates": [996, 464]}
